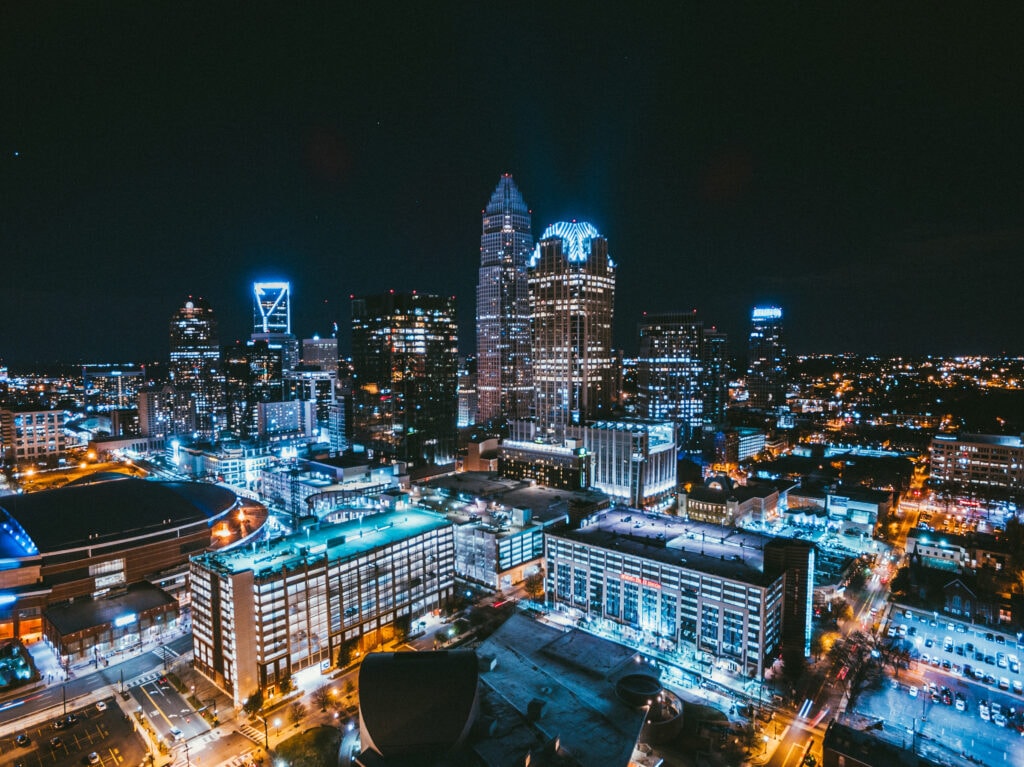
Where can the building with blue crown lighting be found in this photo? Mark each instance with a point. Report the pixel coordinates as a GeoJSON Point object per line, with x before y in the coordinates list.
{"type": "Point", "coordinates": [572, 293]}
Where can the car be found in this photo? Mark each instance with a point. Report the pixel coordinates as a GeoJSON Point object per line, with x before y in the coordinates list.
{"type": "Point", "coordinates": [935, 660]}
{"type": "Point", "coordinates": [1000, 639]}
{"type": "Point", "coordinates": [70, 720]}
{"type": "Point", "coordinates": [92, 758]}
{"type": "Point", "coordinates": [912, 631]}
{"type": "Point", "coordinates": [1014, 664]}
{"type": "Point", "coordinates": [1004, 683]}
{"type": "Point", "coordinates": [175, 734]}
{"type": "Point", "coordinates": [59, 724]}
{"type": "Point", "coordinates": [960, 703]}
{"type": "Point", "coordinates": [999, 720]}
{"type": "Point", "coordinates": [947, 644]}
{"type": "Point", "coordinates": [23, 740]}
{"type": "Point", "coordinates": [947, 696]}
{"type": "Point", "coordinates": [969, 647]}
{"type": "Point", "coordinates": [983, 711]}
{"type": "Point", "coordinates": [925, 657]}
{"type": "Point", "coordinates": [946, 664]}
{"type": "Point", "coordinates": [968, 669]}
{"type": "Point", "coordinates": [989, 679]}
{"type": "Point", "coordinates": [959, 649]}
{"type": "Point", "coordinates": [989, 636]}
{"type": "Point", "coordinates": [990, 660]}
{"type": "Point", "coordinates": [101, 705]}
{"type": "Point", "coordinates": [979, 655]}
{"type": "Point", "coordinates": [913, 691]}
{"type": "Point", "coordinates": [929, 642]}
{"type": "Point", "coordinates": [1018, 687]}
{"type": "Point", "coordinates": [961, 628]}
{"type": "Point", "coordinates": [956, 668]}
{"type": "Point", "coordinates": [978, 675]}
{"type": "Point", "coordinates": [1001, 660]}
{"type": "Point", "coordinates": [56, 741]}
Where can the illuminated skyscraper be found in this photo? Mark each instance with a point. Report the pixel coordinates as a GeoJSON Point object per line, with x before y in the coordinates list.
{"type": "Point", "coordinates": [716, 377]}
{"type": "Point", "coordinates": [670, 371]}
{"type": "Point", "coordinates": [195, 363]}
{"type": "Point", "coordinates": [405, 361]}
{"type": "Point", "coordinates": [572, 293]}
{"type": "Point", "coordinates": [272, 320]}
{"type": "Point", "coordinates": [766, 361]}
{"type": "Point", "coordinates": [504, 385]}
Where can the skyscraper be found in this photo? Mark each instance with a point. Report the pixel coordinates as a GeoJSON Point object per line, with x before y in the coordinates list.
{"type": "Point", "coordinates": [272, 320]}
{"type": "Point", "coordinates": [670, 371]}
{"type": "Point", "coordinates": [405, 361]}
{"type": "Point", "coordinates": [504, 383]}
{"type": "Point", "coordinates": [195, 363]}
{"type": "Point", "coordinates": [766, 360]}
{"type": "Point", "coordinates": [716, 377]}
{"type": "Point", "coordinates": [572, 292]}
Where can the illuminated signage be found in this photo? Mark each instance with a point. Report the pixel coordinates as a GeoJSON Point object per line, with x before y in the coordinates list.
{"type": "Point", "coordinates": [767, 313]}
{"type": "Point", "coordinates": [124, 620]}
{"type": "Point", "coordinates": [641, 581]}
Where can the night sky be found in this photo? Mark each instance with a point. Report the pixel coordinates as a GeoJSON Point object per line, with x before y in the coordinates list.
{"type": "Point", "coordinates": [863, 169]}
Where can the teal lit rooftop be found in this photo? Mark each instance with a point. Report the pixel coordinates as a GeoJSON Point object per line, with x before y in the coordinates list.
{"type": "Point", "coordinates": [344, 540]}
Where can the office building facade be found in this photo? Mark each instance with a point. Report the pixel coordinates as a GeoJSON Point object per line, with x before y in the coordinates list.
{"type": "Point", "coordinates": [662, 593]}
{"type": "Point", "coordinates": [670, 371]}
{"type": "Point", "coordinates": [572, 294]}
{"type": "Point", "coordinates": [405, 381]}
{"type": "Point", "coordinates": [259, 616]}
{"type": "Point", "coordinates": [195, 364]}
{"type": "Point", "coordinates": [992, 463]}
{"type": "Point", "coordinates": [634, 460]}
{"type": "Point", "coordinates": [32, 436]}
{"type": "Point", "coordinates": [272, 320]}
{"type": "Point", "coordinates": [767, 366]}
{"type": "Point", "coordinates": [504, 381]}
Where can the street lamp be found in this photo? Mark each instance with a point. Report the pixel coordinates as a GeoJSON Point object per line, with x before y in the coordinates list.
{"type": "Point", "coordinates": [764, 740]}
{"type": "Point", "coordinates": [277, 726]}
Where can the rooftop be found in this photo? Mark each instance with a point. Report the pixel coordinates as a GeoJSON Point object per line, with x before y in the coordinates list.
{"type": "Point", "coordinates": [571, 675]}
{"type": "Point", "coordinates": [85, 612]}
{"type": "Point", "coordinates": [723, 551]}
{"type": "Point", "coordinates": [338, 541]}
{"type": "Point", "coordinates": [112, 509]}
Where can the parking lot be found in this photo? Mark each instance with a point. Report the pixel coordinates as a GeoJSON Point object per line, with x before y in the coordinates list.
{"type": "Point", "coordinates": [97, 734]}
{"type": "Point", "coordinates": [964, 680]}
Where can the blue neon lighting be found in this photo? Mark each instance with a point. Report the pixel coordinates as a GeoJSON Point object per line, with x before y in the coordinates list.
{"type": "Point", "coordinates": [575, 236]}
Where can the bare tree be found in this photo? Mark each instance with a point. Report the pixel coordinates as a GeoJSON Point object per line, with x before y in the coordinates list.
{"type": "Point", "coordinates": [322, 696]}
{"type": "Point", "coordinates": [296, 713]}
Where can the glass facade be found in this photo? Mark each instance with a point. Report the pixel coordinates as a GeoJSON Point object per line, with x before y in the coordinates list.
{"type": "Point", "coordinates": [195, 364]}
{"type": "Point", "coordinates": [504, 381]}
{"type": "Point", "coordinates": [572, 293]}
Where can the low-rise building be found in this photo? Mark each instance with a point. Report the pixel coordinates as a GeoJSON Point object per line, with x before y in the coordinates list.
{"type": "Point", "coordinates": [671, 583]}
{"type": "Point", "coordinates": [263, 613]}
{"type": "Point", "coordinates": [978, 461]}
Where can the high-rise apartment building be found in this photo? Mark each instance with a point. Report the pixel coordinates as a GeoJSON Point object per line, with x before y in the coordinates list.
{"type": "Point", "coordinates": [572, 292]}
{"type": "Point", "coordinates": [195, 363]}
{"type": "Point", "coordinates": [405, 361]}
{"type": "Point", "coordinates": [272, 319]}
{"type": "Point", "coordinates": [766, 360]}
{"type": "Point", "coordinates": [31, 436]}
{"type": "Point", "coordinates": [504, 384]}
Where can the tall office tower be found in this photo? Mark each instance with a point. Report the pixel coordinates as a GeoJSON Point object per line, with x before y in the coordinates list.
{"type": "Point", "coordinates": [766, 365]}
{"type": "Point", "coordinates": [670, 372]}
{"type": "Point", "coordinates": [405, 361]}
{"type": "Point", "coordinates": [716, 377]}
{"type": "Point", "coordinates": [572, 293]}
{"type": "Point", "coordinates": [254, 375]}
{"type": "Point", "coordinates": [321, 353]}
{"type": "Point", "coordinates": [195, 363]}
{"type": "Point", "coordinates": [504, 384]}
{"type": "Point", "coordinates": [272, 320]}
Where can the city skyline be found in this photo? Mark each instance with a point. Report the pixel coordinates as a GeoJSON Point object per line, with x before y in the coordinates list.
{"type": "Point", "coordinates": [861, 175]}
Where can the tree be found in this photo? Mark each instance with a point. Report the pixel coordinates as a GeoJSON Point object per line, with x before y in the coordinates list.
{"type": "Point", "coordinates": [322, 696]}
{"type": "Point", "coordinates": [286, 685]}
{"type": "Point", "coordinates": [253, 703]}
{"type": "Point", "coordinates": [533, 585]}
{"type": "Point", "coordinates": [346, 652]}
{"type": "Point", "coordinates": [296, 713]}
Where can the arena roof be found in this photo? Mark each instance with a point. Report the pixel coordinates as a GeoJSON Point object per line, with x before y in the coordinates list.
{"type": "Point", "coordinates": [78, 515]}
